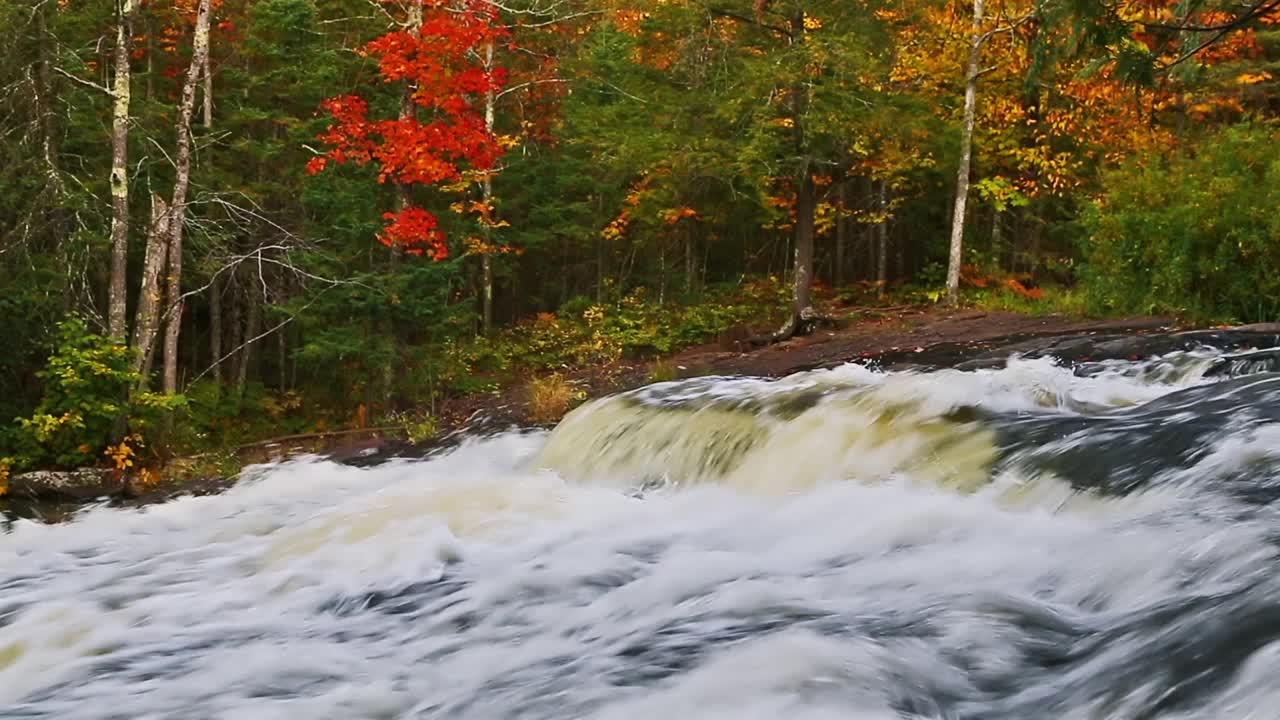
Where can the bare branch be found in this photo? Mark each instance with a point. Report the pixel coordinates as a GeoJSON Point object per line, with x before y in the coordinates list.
{"type": "Point", "coordinates": [86, 83]}
{"type": "Point", "coordinates": [523, 85]}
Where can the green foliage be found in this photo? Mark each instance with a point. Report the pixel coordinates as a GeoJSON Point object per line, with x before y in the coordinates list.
{"type": "Point", "coordinates": [217, 417]}
{"type": "Point", "coordinates": [85, 405]}
{"type": "Point", "coordinates": [1054, 301]}
{"type": "Point", "coordinates": [1192, 234]}
{"type": "Point", "coordinates": [600, 335]}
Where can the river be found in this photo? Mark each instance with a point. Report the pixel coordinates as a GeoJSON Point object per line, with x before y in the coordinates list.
{"type": "Point", "coordinates": [1017, 542]}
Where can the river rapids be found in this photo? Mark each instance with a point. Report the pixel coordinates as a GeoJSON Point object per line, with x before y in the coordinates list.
{"type": "Point", "coordinates": [1036, 539]}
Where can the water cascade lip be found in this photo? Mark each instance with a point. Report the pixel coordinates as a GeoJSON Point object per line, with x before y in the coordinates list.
{"type": "Point", "coordinates": [1037, 539]}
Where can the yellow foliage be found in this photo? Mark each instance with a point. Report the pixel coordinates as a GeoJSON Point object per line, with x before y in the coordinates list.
{"type": "Point", "coordinates": [146, 479]}
{"type": "Point", "coordinates": [675, 215]}
{"type": "Point", "coordinates": [549, 398]}
{"type": "Point", "coordinates": [593, 315]}
{"type": "Point", "coordinates": [122, 455]}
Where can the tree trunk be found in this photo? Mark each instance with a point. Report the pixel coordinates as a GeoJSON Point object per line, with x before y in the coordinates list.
{"type": "Point", "coordinates": [882, 239]}
{"type": "Point", "coordinates": [178, 207]}
{"type": "Point", "coordinates": [117, 284]}
{"type": "Point", "coordinates": [842, 234]}
{"type": "Point", "coordinates": [801, 320]}
{"type": "Point", "coordinates": [966, 157]}
{"type": "Point", "coordinates": [486, 259]}
{"type": "Point", "coordinates": [253, 326]}
{"type": "Point", "coordinates": [662, 272]}
{"type": "Point", "coordinates": [151, 55]}
{"type": "Point", "coordinates": [146, 322]}
{"type": "Point", "coordinates": [688, 261]}
{"type": "Point", "coordinates": [997, 243]}
{"type": "Point", "coordinates": [207, 95]}
{"type": "Point", "coordinates": [282, 356]}
{"type": "Point", "coordinates": [215, 329]}
{"type": "Point", "coordinates": [235, 322]}
{"type": "Point", "coordinates": [44, 111]}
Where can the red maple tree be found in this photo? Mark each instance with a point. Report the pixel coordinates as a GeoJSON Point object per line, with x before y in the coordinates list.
{"type": "Point", "coordinates": [445, 136]}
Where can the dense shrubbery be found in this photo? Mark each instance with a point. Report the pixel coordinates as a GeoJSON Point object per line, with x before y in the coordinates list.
{"type": "Point", "coordinates": [84, 415]}
{"type": "Point", "coordinates": [1191, 234]}
{"type": "Point", "coordinates": [587, 334]}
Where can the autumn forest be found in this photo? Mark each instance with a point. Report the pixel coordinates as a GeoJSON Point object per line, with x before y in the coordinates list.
{"type": "Point", "coordinates": [224, 220]}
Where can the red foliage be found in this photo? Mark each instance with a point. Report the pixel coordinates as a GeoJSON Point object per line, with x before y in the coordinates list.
{"type": "Point", "coordinates": [445, 136]}
{"type": "Point", "coordinates": [414, 229]}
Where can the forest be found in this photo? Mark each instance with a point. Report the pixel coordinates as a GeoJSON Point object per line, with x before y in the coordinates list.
{"type": "Point", "coordinates": [224, 220]}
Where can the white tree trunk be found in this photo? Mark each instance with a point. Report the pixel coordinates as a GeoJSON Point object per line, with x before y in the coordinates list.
{"type": "Point", "coordinates": [117, 284]}
{"type": "Point", "coordinates": [207, 95]}
{"type": "Point", "coordinates": [178, 207]}
{"type": "Point", "coordinates": [966, 157]}
{"type": "Point", "coordinates": [486, 259]}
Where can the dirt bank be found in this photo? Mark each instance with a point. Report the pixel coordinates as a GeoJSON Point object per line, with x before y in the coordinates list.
{"type": "Point", "coordinates": [875, 334]}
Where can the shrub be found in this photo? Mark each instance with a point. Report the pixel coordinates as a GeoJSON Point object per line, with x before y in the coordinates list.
{"type": "Point", "coordinates": [549, 398]}
{"type": "Point", "coordinates": [1194, 234]}
{"type": "Point", "coordinates": [86, 411]}
{"type": "Point", "coordinates": [662, 371]}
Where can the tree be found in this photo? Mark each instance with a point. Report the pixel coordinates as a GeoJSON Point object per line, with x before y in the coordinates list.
{"type": "Point", "coordinates": [438, 62]}
{"type": "Point", "coordinates": [177, 208]}
{"type": "Point", "coordinates": [121, 94]}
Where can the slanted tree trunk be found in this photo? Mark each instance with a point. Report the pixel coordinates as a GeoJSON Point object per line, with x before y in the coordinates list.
{"type": "Point", "coordinates": [178, 207]}
{"type": "Point", "coordinates": [117, 283]}
{"type": "Point", "coordinates": [966, 157]}
{"type": "Point", "coordinates": [146, 322]}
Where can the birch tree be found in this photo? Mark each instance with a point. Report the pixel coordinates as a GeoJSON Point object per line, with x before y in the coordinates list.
{"type": "Point", "coordinates": [120, 96]}
{"type": "Point", "coordinates": [178, 206]}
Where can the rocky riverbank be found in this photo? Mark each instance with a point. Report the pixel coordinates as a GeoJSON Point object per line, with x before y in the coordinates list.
{"type": "Point", "coordinates": [892, 338]}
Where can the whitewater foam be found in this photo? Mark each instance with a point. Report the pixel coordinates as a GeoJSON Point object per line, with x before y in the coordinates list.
{"type": "Point", "coordinates": [479, 584]}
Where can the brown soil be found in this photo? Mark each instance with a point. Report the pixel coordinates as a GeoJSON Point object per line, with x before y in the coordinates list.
{"type": "Point", "coordinates": [877, 333]}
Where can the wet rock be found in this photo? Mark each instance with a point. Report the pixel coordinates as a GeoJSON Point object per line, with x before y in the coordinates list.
{"type": "Point", "coordinates": [1246, 363]}
{"type": "Point", "coordinates": [82, 484]}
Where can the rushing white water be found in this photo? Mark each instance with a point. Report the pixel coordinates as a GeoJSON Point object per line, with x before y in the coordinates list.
{"type": "Point", "coordinates": [849, 558]}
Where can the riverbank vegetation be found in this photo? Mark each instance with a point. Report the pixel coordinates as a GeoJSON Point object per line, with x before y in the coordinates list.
{"type": "Point", "coordinates": [224, 220]}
